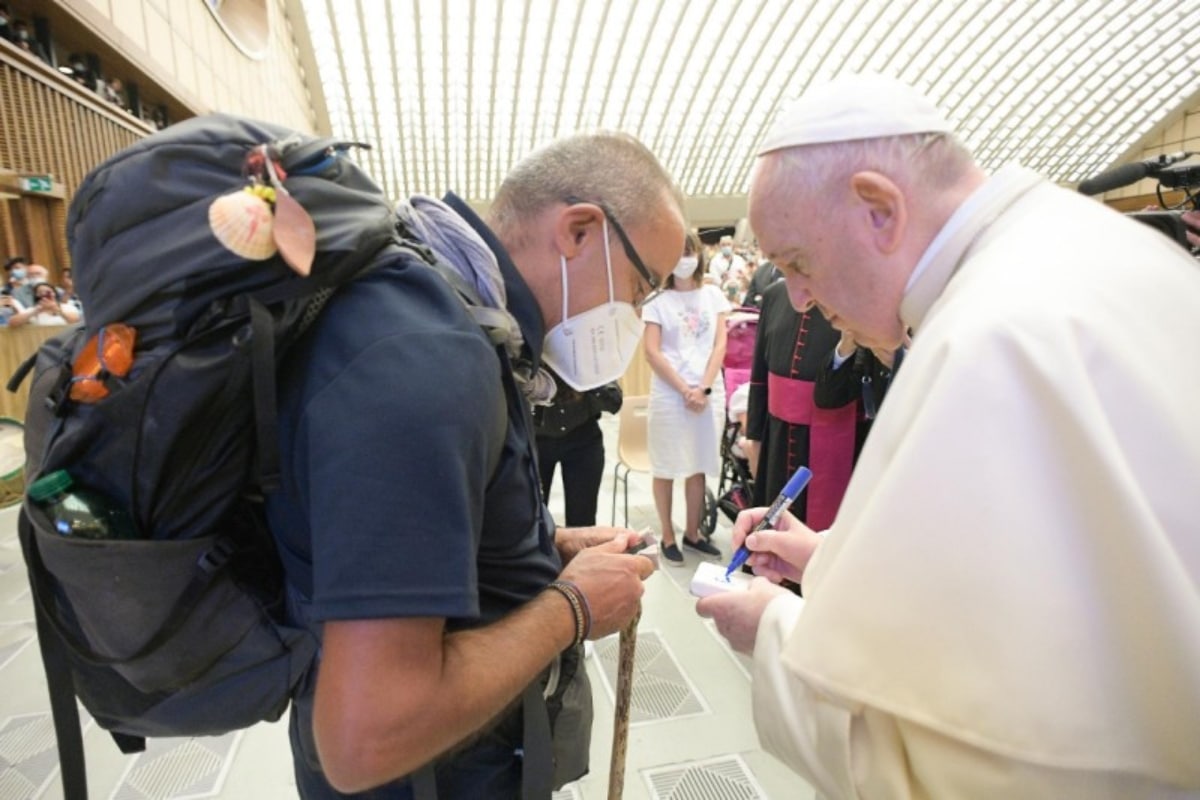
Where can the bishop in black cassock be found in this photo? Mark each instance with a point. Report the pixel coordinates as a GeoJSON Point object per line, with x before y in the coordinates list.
{"type": "Point", "coordinates": [792, 431]}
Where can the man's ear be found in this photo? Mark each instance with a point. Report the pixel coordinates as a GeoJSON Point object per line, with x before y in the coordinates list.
{"type": "Point", "coordinates": [885, 206]}
{"type": "Point", "coordinates": [575, 225]}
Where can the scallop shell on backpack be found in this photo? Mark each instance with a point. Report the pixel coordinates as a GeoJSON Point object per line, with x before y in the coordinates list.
{"type": "Point", "coordinates": [243, 222]}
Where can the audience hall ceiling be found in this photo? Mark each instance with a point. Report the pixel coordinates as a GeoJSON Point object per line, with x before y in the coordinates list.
{"type": "Point", "coordinates": [451, 93]}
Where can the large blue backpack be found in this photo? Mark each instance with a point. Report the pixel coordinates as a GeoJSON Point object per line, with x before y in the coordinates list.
{"type": "Point", "coordinates": [181, 631]}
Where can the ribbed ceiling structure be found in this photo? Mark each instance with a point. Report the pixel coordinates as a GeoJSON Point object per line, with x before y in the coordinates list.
{"type": "Point", "coordinates": [451, 93]}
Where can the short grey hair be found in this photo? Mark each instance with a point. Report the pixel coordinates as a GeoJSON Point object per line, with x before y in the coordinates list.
{"type": "Point", "coordinates": [613, 169]}
{"type": "Point", "coordinates": [931, 161]}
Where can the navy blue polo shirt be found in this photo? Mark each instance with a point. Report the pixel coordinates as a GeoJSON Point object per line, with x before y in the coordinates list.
{"type": "Point", "coordinates": [393, 412]}
{"type": "Point", "coordinates": [410, 486]}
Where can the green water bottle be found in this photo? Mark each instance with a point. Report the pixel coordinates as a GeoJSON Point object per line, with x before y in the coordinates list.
{"type": "Point", "coordinates": [80, 512]}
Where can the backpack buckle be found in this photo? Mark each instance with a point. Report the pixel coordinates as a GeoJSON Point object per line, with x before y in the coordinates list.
{"type": "Point", "coordinates": [214, 560]}
{"type": "Point", "coordinates": [59, 393]}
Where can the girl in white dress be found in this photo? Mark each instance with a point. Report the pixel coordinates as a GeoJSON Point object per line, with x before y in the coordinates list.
{"type": "Point", "coordinates": [685, 344]}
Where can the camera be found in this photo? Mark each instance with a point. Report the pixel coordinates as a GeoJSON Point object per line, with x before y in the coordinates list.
{"type": "Point", "coordinates": [1170, 175]}
{"type": "Point", "coordinates": [1185, 177]}
{"type": "Point", "coordinates": [1169, 221]}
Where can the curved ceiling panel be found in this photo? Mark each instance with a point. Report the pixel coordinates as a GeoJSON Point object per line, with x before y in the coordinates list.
{"type": "Point", "coordinates": [452, 92]}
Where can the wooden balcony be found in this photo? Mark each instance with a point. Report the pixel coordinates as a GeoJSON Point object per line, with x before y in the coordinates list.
{"type": "Point", "coordinates": [50, 126]}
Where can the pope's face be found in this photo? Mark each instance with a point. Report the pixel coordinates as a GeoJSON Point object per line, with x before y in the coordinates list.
{"type": "Point", "coordinates": [824, 247]}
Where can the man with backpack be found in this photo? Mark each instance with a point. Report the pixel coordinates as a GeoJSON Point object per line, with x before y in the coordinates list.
{"type": "Point", "coordinates": [410, 514]}
{"type": "Point", "coordinates": [313, 413]}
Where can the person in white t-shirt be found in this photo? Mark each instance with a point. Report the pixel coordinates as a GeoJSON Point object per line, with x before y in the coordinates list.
{"type": "Point", "coordinates": [685, 344]}
{"type": "Point", "coordinates": [727, 265]}
{"type": "Point", "coordinates": [46, 310]}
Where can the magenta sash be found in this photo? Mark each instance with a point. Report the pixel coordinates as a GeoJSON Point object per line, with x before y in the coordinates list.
{"type": "Point", "coordinates": [830, 443]}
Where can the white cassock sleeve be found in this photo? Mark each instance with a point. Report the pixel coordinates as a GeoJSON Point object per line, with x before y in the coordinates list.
{"type": "Point", "coordinates": [809, 735]}
{"type": "Point", "coordinates": [848, 750]}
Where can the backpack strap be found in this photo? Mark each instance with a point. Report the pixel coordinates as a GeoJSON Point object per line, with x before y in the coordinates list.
{"type": "Point", "coordinates": [262, 355]}
{"type": "Point", "coordinates": [59, 683]}
{"type": "Point", "coordinates": [537, 763]}
{"type": "Point", "coordinates": [263, 368]}
{"type": "Point", "coordinates": [537, 766]}
{"type": "Point", "coordinates": [494, 322]}
{"type": "Point", "coordinates": [424, 782]}
{"type": "Point", "coordinates": [18, 376]}
{"type": "Point", "coordinates": [59, 348]}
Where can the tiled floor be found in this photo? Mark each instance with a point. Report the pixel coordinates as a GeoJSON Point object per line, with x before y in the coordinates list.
{"type": "Point", "coordinates": [691, 736]}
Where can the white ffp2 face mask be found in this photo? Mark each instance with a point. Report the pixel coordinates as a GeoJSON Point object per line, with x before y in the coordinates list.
{"type": "Point", "coordinates": [595, 346]}
{"type": "Point", "coordinates": [686, 267]}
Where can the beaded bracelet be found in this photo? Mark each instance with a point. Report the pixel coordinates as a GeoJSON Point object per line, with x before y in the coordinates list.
{"type": "Point", "coordinates": [587, 610]}
{"type": "Point", "coordinates": [579, 608]}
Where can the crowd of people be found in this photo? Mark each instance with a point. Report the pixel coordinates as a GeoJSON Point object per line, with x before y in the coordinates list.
{"type": "Point", "coordinates": [80, 68]}
{"type": "Point", "coordinates": [740, 270]}
{"type": "Point", "coordinates": [18, 31]}
{"type": "Point", "coordinates": [30, 297]}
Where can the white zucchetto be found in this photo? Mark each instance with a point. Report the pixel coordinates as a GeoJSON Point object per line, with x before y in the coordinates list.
{"type": "Point", "coordinates": [854, 106]}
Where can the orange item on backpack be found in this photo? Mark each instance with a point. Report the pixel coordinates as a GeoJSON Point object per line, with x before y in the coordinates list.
{"type": "Point", "coordinates": [108, 353]}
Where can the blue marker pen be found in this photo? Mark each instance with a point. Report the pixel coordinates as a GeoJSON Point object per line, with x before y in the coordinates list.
{"type": "Point", "coordinates": [791, 491]}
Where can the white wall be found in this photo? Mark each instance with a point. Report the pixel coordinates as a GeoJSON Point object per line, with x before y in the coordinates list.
{"type": "Point", "coordinates": [181, 44]}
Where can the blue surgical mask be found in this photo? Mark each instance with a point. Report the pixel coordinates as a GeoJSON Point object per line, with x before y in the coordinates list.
{"type": "Point", "coordinates": [18, 274]}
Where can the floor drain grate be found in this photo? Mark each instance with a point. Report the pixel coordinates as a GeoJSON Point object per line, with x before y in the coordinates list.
{"type": "Point", "coordinates": [724, 778]}
{"type": "Point", "coordinates": [14, 637]}
{"type": "Point", "coordinates": [660, 688]}
{"type": "Point", "coordinates": [28, 756]}
{"type": "Point", "coordinates": [179, 768]}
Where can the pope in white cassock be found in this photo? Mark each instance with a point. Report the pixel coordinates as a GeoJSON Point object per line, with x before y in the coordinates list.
{"type": "Point", "coordinates": [1008, 603]}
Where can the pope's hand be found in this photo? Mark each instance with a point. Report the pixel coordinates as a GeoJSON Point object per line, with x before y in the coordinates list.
{"type": "Point", "coordinates": [738, 614]}
{"type": "Point", "coordinates": [776, 554]}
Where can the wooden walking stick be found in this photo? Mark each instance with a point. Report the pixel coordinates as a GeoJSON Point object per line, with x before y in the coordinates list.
{"type": "Point", "coordinates": [616, 771]}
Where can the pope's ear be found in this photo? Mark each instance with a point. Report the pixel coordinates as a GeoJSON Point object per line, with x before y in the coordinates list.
{"type": "Point", "coordinates": [575, 225]}
{"type": "Point", "coordinates": [884, 205]}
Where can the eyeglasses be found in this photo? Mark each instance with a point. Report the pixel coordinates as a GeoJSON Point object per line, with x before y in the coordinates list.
{"type": "Point", "coordinates": [655, 288]}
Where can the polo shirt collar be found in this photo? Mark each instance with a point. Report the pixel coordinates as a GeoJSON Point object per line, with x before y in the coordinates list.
{"type": "Point", "coordinates": [521, 302]}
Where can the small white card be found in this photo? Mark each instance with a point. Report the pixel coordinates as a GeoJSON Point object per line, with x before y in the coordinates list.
{"type": "Point", "coordinates": [648, 547]}
{"type": "Point", "coordinates": [710, 579]}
